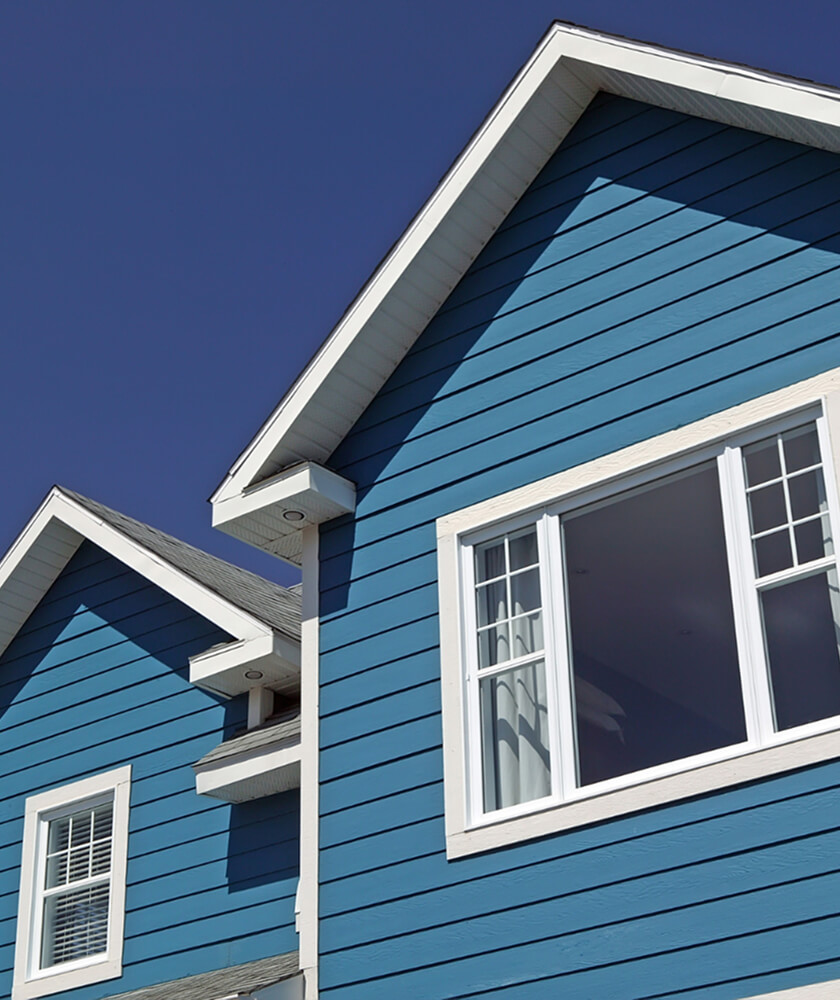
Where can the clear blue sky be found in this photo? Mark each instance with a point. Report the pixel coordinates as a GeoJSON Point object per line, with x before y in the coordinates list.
{"type": "Point", "coordinates": [193, 192]}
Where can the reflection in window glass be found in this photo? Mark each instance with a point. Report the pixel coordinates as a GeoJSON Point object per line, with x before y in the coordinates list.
{"type": "Point", "coordinates": [801, 622]}
{"type": "Point", "coordinates": [652, 634]}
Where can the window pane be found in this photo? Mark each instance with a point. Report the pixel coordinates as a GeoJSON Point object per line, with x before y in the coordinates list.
{"type": "Point", "coordinates": [772, 553]}
{"type": "Point", "coordinates": [103, 821]}
{"type": "Point", "coordinates": [493, 646]}
{"type": "Point", "coordinates": [514, 733]}
{"type": "Point", "coordinates": [489, 561]}
{"type": "Point", "coordinates": [523, 550]}
{"type": "Point", "coordinates": [491, 602]}
{"type": "Point", "coordinates": [655, 665]}
{"type": "Point", "coordinates": [79, 867]}
{"type": "Point", "coordinates": [761, 462]}
{"type": "Point", "coordinates": [56, 870]}
{"type": "Point", "coordinates": [527, 634]}
{"type": "Point", "coordinates": [101, 857]}
{"type": "Point", "coordinates": [75, 924]}
{"type": "Point", "coordinates": [525, 591]}
{"type": "Point", "coordinates": [802, 448]}
{"type": "Point", "coordinates": [813, 540]}
{"type": "Point", "coordinates": [801, 621]}
{"type": "Point", "coordinates": [807, 494]}
{"type": "Point", "coordinates": [80, 828]}
{"type": "Point", "coordinates": [59, 835]}
{"type": "Point", "coordinates": [768, 508]}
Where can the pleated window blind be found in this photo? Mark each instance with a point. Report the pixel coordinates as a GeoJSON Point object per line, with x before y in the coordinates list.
{"type": "Point", "coordinates": [77, 885]}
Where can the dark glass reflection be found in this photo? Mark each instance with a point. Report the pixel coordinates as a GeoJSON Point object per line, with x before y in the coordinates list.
{"type": "Point", "coordinates": [801, 633]}
{"type": "Point", "coordinates": [653, 639]}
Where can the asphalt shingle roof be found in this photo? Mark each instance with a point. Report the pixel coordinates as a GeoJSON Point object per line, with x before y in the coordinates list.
{"type": "Point", "coordinates": [270, 603]}
{"type": "Point", "coordinates": [239, 980]}
{"type": "Point", "coordinates": [284, 729]}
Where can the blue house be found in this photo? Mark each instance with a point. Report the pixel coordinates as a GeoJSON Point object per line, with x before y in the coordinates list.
{"type": "Point", "coordinates": [563, 486]}
{"type": "Point", "coordinates": [150, 743]}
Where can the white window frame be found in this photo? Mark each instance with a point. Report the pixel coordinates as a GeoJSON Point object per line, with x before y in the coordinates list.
{"type": "Point", "coordinates": [467, 829]}
{"type": "Point", "coordinates": [30, 981]}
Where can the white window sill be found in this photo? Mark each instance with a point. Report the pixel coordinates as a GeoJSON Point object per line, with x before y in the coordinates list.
{"type": "Point", "coordinates": [57, 982]}
{"type": "Point", "coordinates": [548, 817]}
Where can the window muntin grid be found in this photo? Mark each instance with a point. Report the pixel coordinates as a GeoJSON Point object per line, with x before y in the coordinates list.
{"type": "Point", "coordinates": [787, 501]}
{"type": "Point", "coordinates": [508, 603]}
{"type": "Point", "coordinates": [76, 886]}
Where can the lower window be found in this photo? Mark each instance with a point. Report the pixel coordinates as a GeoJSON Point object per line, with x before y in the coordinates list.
{"type": "Point", "coordinates": [688, 615]}
{"type": "Point", "coordinates": [72, 893]}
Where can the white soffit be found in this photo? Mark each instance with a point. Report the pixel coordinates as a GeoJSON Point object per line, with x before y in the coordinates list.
{"type": "Point", "coordinates": [50, 539]}
{"type": "Point", "coordinates": [570, 65]}
{"type": "Point", "coordinates": [272, 514]}
{"type": "Point", "coordinates": [267, 771]}
{"type": "Point", "coordinates": [224, 669]}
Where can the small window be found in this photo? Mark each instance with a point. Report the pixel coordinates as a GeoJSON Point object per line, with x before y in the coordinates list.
{"type": "Point", "coordinates": [72, 886]}
{"type": "Point", "coordinates": [678, 619]}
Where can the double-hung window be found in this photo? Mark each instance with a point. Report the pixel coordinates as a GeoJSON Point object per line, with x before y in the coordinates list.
{"type": "Point", "coordinates": [660, 623]}
{"type": "Point", "coordinates": [70, 918]}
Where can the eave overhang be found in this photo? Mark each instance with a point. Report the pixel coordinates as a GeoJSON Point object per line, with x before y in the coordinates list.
{"type": "Point", "coordinates": [271, 514]}
{"type": "Point", "coordinates": [260, 762]}
{"type": "Point", "coordinates": [570, 65]}
{"type": "Point", "coordinates": [271, 661]}
{"type": "Point", "coordinates": [51, 538]}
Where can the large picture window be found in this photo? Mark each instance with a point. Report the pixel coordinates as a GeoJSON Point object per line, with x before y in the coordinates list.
{"type": "Point", "coordinates": [665, 622]}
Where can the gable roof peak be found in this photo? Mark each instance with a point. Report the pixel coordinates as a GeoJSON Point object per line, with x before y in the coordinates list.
{"type": "Point", "coordinates": [240, 603]}
{"type": "Point", "coordinates": [566, 70]}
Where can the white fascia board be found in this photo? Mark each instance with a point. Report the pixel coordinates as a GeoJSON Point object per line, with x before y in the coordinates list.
{"type": "Point", "coordinates": [310, 492]}
{"type": "Point", "coordinates": [593, 61]}
{"type": "Point", "coordinates": [51, 538]}
{"type": "Point", "coordinates": [307, 487]}
{"type": "Point", "coordinates": [222, 668]}
{"type": "Point", "coordinates": [404, 251]}
{"type": "Point", "coordinates": [253, 774]}
{"type": "Point", "coordinates": [816, 991]}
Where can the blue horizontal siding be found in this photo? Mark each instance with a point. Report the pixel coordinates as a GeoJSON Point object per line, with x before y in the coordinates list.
{"type": "Point", "coordinates": [98, 677]}
{"type": "Point", "coordinates": [661, 268]}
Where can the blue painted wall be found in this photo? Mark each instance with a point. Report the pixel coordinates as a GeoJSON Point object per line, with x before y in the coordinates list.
{"type": "Point", "coordinates": [661, 268]}
{"type": "Point", "coordinates": [98, 677]}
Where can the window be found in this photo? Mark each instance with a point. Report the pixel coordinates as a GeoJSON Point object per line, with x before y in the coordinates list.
{"type": "Point", "coordinates": [72, 892]}
{"type": "Point", "coordinates": [640, 637]}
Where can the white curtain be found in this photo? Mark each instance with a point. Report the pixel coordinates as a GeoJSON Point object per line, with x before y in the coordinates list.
{"type": "Point", "coordinates": [515, 736]}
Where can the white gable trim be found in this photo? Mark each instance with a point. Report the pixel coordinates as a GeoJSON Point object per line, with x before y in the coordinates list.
{"type": "Point", "coordinates": [568, 68]}
{"type": "Point", "coordinates": [47, 543]}
{"type": "Point", "coordinates": [817, 991]}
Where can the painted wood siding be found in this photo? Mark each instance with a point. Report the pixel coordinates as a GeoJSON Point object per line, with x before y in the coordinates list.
{"type": "Point", "coordinates": [660, 269]}
{"type": "Point", "coordinates": [97, 678]}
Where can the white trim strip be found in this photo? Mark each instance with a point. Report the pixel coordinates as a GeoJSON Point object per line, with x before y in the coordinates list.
{"type": "Point", "coordinates": [309, 766]}
{"type": "Point", "coordinates": [816, 991]}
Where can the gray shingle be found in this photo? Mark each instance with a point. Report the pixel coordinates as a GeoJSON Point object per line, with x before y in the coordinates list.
{"type": "Point", "coordinates": [273, 605]}
{"type": "Point", "coordinates": [239, 979]}
{"type": "Point", "coordinates": [283, 730]}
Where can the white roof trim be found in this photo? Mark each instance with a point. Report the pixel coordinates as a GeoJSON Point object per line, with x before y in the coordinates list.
{"type": "Point", "coordinates": [252, 774]}
{"type": "Point", "coordinates": [569, 66]}
{"type": "Point", "coordinates": [50, 539]}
